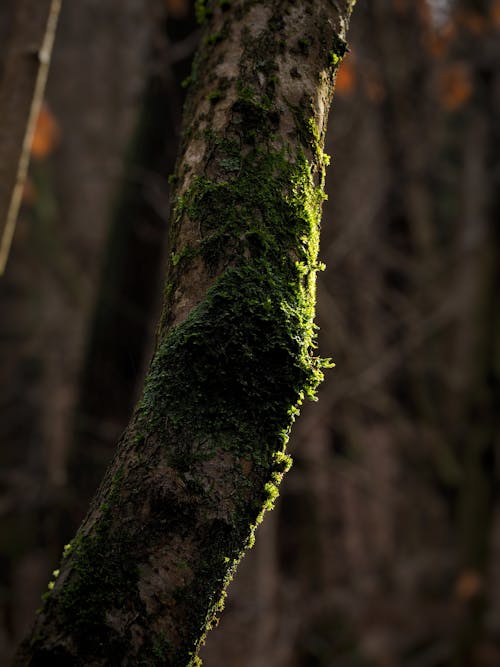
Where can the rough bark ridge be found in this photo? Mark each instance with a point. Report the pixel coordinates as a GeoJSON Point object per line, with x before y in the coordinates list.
{"type": "Point", "coordinates": [200, 462]}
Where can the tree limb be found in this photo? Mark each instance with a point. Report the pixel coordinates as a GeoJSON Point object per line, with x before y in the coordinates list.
{"type": "Point", "coordinates": [21, 93]}
{"type": "Point", "coordinates": [202, 457]}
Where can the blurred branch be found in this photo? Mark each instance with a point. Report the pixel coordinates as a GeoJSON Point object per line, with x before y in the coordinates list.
{"type": "Point", "coordinates": [21, 92]}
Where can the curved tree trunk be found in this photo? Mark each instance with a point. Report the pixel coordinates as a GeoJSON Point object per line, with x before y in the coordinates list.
{"type": "Point", "coordinates": [204, 452]}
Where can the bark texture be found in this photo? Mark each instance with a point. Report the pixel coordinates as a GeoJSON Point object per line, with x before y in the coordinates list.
{"type": "Point", "coordinates": [200, 461]}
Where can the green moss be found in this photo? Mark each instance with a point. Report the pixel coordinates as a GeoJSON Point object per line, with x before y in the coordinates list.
{"type": "Point", "coordinates": [97, 584]}
{"type": "Point", "coordinates": [214, 96]}
{"type": "Point", "coordinates": [334, 59]}
{"type": "Point", "coordinates": [248, 346]}
{"type": "Point", "coordinates": [111, 586]}
{"type": "Point", "coordinates": [338, 50]}
{"type": "Point", "coordinates": [213, 573]}
{"type": "Point", "coordinates": [186, 253]}
{"type": "Point", "coordinates": [282, 462]}
{"type": "Point", "coordinates": [309, 135]}
{"type": "Point", "coordinates": [229, 379]}
{"type": "Point", "coordinates": [215, 38]}
{"type": "Point", "coordinates": [202, 11]}
{"type": "Point", "coordinates": [316, 142]}
{"type": "Point", "coordinates": [257, 319]}
{"type": "Point", "coordinates": [271, 493]}
{"type": "Point", "coordinates": [232, 375]}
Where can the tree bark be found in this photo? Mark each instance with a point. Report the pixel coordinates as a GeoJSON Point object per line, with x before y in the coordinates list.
{"type": "Point", "coordinates": [200, 461]}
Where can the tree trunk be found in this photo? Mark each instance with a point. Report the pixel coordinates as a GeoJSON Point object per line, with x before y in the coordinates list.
{"type": "Point", "coordinates": [201, 459]}
{"type": "Point", "coordinates": [121, 330]}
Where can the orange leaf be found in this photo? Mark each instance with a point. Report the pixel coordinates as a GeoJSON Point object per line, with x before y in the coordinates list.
{"type": "Point", "coordinates": [468, 585]}
{"type": "Point", "coordinates": [345, 80]}
{"type": "Point", "coordinates": [473, 22]}
{"type": "Point", "coordinates": [47, 134]}
{"type": "Point", "coordinates": [438, 41]}
{"type": "Point", "coordinates": [454, 86]}
{"type": "Point", "coordinates": [495, 13]}
{"type": "Point", "coordinates": [177, 8]}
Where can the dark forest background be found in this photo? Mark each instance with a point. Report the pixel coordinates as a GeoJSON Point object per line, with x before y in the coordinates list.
{"type": "Point", "coordinates": [384, 548]}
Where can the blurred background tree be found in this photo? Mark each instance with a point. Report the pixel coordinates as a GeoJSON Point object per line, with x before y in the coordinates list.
{"type": "Point", "coordinates": [384, 549]}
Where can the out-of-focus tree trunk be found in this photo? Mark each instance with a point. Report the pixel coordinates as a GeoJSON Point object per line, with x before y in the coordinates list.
{"type": "Point", "coordinates": [49, 286]}
{"type": "Point", "coordinates": [129, 296]}
{"type": "Point", "coordinates": [93, 66]}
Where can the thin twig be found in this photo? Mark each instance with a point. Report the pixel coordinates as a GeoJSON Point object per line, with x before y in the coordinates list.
{"type": "Point", "coordinates": [26, 70]}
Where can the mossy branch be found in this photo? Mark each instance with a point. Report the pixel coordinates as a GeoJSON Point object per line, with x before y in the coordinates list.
{"type": "Point", "coordinates": [204, 453]}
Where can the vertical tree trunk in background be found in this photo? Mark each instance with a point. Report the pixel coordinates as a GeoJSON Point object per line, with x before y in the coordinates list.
{"type": "Point", "coordinates": [97, 107]}
{"type": "Point", "coordinates": [478, 343]}
{"type": "Point", "coordinates": [47, 291]}
{"type": "Point", "coordinates": [201, 459]}
{"type": "Point", "coordinates": [122, 327]}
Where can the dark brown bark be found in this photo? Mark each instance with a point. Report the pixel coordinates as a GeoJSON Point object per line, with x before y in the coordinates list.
{"type": "Point", "coordinates": [201, 459]}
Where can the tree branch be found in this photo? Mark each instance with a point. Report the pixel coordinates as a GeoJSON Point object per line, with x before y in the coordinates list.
{"type": "Point", "coordinates": [21, 93]}
{"type": "Point", "coordinates": [202, 457]}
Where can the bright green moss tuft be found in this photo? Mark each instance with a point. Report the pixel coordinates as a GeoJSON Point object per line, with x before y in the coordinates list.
{"type": "Point", "coordinates": [201, 11]}
{"type": "Point", "coordinates": [271, 493]}
{"type": "Point", "coordinates": [338, 51]}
